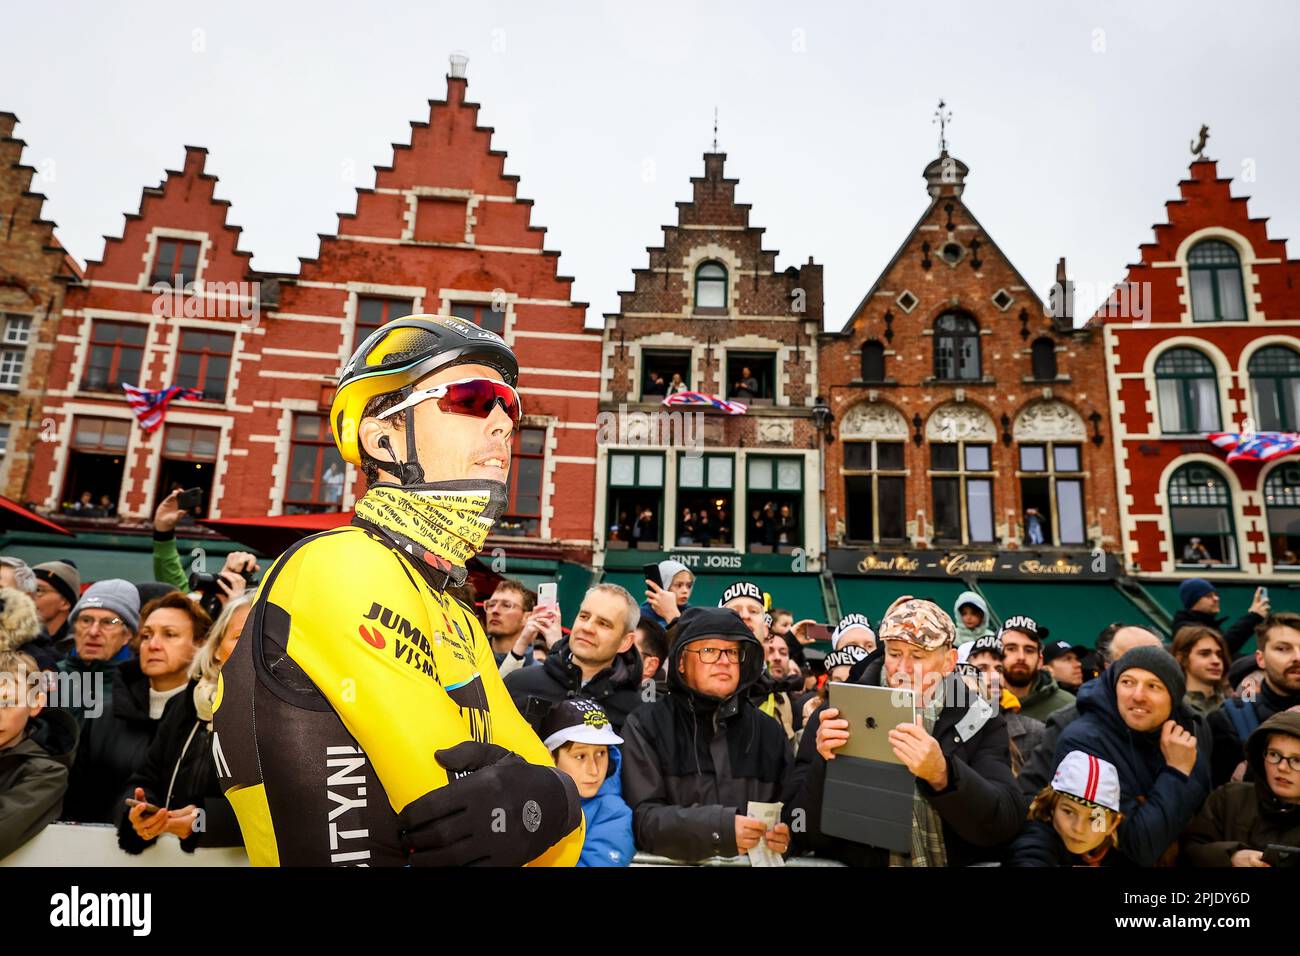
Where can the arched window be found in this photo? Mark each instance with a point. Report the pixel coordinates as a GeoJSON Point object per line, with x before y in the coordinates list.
{"type": "Point", "coordinates": [1215, 271]}
{"type": "Point", "coordinates": [873, 362]}
{"type": "Point", "coordinates": [1200, 512]}
{"type": "Point", "coordinates": [1275, 382]}
{"type": "Point", "coordinates": [956, 347]}
{"type": "Point", "coordinates": [1188, 392]}
{"type": "Point", "coordinates": [711, 286]}
{"type": "Point", "coordinates": [1282, 497]}
{"type": "Point", "coordinates": [1044, 360]}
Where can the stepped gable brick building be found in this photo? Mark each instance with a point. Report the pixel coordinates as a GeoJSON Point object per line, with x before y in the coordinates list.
{"type": "Point", "coordinates": [1203, 336]}
{"type": "Point", "coordinates": [34, 273]}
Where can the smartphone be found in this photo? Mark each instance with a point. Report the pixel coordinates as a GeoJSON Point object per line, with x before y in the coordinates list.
{"type": "Point", "coordinates": [1275, 854]}
{"type": "Point", "coordinates": [190, 500]}
{"type": "Point", "coordinates": [1263, 593]}
{"type": "Point", "coordinates": [546, 594]}
{"type": "Point", "coordinates": [149, 808]}
{"type": "Point", "coordinates": [819, 632]}
{"type": "Point", "coordinates": [651, 572]}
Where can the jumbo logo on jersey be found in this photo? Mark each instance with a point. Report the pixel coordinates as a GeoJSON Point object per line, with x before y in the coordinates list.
{"type": "Point", "coordinates": [371, 636]}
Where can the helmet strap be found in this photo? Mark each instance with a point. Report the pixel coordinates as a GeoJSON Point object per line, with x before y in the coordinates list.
{"type": "Point", "coordinates": [411, 472]}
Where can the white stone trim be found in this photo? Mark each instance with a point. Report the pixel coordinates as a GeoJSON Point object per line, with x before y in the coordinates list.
{"type": "Point", "coordinates": [696, 257]}
{"type": "Point", "coordinates": [1223, 378]}
{"type": "Point", "coordinates": [151, 250]}
{"type": "Point", "coordinates": [1165, 521]}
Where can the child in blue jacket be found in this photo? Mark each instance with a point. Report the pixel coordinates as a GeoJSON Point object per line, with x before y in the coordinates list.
{"type": "Point", "coordinates": [578, 734]}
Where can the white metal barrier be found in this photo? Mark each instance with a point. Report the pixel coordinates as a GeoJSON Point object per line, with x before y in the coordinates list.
{"type": "Point", "coordinates": [95, 844]}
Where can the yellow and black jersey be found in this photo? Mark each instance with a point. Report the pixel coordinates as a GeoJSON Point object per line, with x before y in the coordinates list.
{"type": "Point", "coordinates": [352, 670]}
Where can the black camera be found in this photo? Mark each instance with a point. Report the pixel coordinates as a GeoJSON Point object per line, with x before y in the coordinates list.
{"type": "Point", "coordinates": [210, 591]}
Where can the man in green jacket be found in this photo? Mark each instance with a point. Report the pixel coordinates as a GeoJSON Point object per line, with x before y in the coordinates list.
{"type": "Point", "coordinates": [168, 567]}
{"type": "Point", "coordinates": [1023, 672]}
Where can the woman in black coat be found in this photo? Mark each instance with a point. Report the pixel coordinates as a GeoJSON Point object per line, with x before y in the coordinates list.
{"type": "Point", "coordinates": [178, 774]}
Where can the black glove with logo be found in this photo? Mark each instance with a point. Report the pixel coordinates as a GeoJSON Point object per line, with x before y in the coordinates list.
{"type": "Point", "coordinates": [505, 812]}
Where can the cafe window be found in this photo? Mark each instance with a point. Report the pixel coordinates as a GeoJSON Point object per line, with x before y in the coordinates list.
{"type": "Point", "coordinates": [711, 286]}
{"type": "Point", "coordinates": [1188, 392]}
{"type": "Point", "coordinates": [203, 362]}
{"type": "Point", "coordinates": [705, 494]}
{"type": "Point", "coordinates": [751, 377]}
{"type": "Point", "coordinates": [175, 262]}
{"type": "Point", "coordinates": [635, 501]}
{"type": "Point", "coordinates": [316, 470]}
{"type": "Point", "coordinates": [956, 348]}
{"type": "Point", "coordinates": [1051, 494]}
{"type": "Point", "coordinates": [962, 479]}
{"type": "Point", "coordinates": [1200, 513]}
{"type": "Point", "coordinates": [523, 515]}
{"type": "Point", "coordinates": [1043, 354]}
{"type": "Point", "coordinates": [875, 491]}
{"type": "Point", "coordinates": [374, 311]}
{"type": "Point", "coordinates": [93, 480]}
{"type": "Point", "coordinates": [485, 315]}
{"type": "Point", "coordinates": [116, 354]}
{"type": "Point", "coordinates": [775, 487]}
{"type": "Point", "coordinates": [189, 459]}
{"type": "Point", "coordinates": [1282, 499]}
{"type": "Point", "coordinates": [664, 371]}
{"type": "Point", "coordinates": [1275, 386]}
{"type": "Point", "coordinates": [873, 362]}
{"type": "Point", "coordinates": [1214, 270]}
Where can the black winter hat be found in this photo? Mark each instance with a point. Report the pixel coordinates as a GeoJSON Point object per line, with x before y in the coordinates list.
{"type": "Point", "coordinates": [1160, 662]}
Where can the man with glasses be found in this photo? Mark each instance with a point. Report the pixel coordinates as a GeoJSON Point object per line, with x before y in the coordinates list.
{"type": "Point", "coordinates": [1240, 820]}
{"type": "Point", "coordinates": [58, 588]}
{"type": "Point", "coordinates": [361, 718]}
{"type": "Point", "coordinates": [695, 759]}
{"type": "Point", "coordinates": [505, 613]}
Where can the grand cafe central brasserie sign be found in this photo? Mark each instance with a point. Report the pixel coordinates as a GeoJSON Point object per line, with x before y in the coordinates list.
{"type": "Point", "coordinates": [1063, 566]}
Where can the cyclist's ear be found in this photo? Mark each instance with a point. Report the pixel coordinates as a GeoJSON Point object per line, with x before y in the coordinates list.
{"type": "Point", "coordinates": [381, 441]}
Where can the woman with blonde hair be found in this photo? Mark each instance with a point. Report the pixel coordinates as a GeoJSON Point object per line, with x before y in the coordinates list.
{"type": "Point", "coordinates": [1202, 653]}
{"type": "Point", "coordinates": [175, 790]}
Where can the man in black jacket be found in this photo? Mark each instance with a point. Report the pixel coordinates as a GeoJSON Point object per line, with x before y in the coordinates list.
{"type": "Point", "coordinates": [598, 660]}
{"type": "Point", "coordinates": [1201, 606]}
{"type": "Point", "coordinates": [1279, 657]}
{"type": "Point", "coordinates": [693, 760]}
{"type": "Point", "coordinates": [967, 802]}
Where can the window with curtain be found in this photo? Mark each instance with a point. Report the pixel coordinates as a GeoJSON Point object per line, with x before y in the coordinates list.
{"type": "Point", "coordinates": [1214, 271]}
{"type": "Point", "coordinates": [1282, 499]}
{"type": "Point", "coordinates": [1275, 387]}
{"type": "Point", "coordinates": [711, 286]}
{"type": "Point", "coordinates": [1188, 392]}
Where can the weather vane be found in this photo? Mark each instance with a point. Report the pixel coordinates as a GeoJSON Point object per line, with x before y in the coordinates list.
{"type": "Point", "coordinates": [942, 116]}
{"type": "Point", "coordinates": [715, 129]}
{"type": "Point", "coordinates": [1198, 147]}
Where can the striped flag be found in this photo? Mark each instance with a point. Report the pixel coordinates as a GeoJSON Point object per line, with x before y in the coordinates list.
{"type": "Point", "coordinates": [150, 407]}
{"type": "Point", "coordinates": [711, 401]}
{"type": "Point", "coordinates": [1256, 446]}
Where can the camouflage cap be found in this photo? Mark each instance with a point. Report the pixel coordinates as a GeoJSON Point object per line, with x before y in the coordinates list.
{"type": "Point", "coordinates": [918, 622]}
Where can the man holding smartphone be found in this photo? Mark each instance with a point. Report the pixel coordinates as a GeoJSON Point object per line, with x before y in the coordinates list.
{"type": "Point", "coordinates": [966, 803]}
{"type": "Point", "coordinates": [1201, 606]}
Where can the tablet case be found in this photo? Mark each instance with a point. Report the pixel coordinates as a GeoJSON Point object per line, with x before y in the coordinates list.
{"type": "Point", "coordinates": [869, 802]}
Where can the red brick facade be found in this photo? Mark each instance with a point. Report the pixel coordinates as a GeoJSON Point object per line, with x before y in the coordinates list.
{"type": "Point", "coordinates": [442, 230]}
{"type": "Point", "coordinates": [1214, 286]}
{"type": "Point", "coordinates": [34, 272]}
{"type": "Point", "coordinates": [709, 304]}
{"type": "Point", "coordinates": [950, 280]}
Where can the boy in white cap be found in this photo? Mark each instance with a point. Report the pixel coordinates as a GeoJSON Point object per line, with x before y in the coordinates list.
{"type": "Point", "coordinates": [1072, 821]}
{"type": "Point", "coordinates": [583, 744]}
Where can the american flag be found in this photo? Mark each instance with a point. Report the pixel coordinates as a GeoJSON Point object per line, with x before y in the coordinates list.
{"type": "Point", "coordinates": [1256, 446]}
{"type": "Point", "coordinates": [151, 407]}
{"type": "Point", "coordinates": [712, 401]}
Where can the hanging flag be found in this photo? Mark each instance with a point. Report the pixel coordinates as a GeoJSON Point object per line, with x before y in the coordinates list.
{"type": "Point", "coordinates": [151, 407]}
{"type": "Point", "coordinates": [712, 401]}
{"type": "Point", "coordinates": [1256, 446]}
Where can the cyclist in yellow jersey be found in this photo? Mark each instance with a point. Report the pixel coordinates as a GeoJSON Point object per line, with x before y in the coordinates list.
{"type": "Point", "coordinates": [361, 719]}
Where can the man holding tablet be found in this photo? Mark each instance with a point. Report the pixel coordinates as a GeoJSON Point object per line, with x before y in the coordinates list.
{"type": "Point", "coordinates": [965, 801]}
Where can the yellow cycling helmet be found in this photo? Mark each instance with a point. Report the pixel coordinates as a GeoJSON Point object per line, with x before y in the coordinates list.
{"type": "Point", "coordinates": [397, 355]}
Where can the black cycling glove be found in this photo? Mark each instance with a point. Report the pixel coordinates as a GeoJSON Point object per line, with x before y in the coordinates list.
{"type": "Point", "coordinates": [504, 812]}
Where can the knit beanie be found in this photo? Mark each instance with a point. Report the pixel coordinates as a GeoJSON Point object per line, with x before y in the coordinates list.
{"type": "Point", "coordinates": [1192, 590]}
{"type": "Point", "coordinates": [113, 594]}
{"type": "Point", "coordinates": [62, 576]}
{"type": "Point", "coordinates": [1160, 662]}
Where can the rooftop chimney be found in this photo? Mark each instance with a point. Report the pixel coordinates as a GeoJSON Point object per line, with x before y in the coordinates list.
{"type": "Point", "coordinates": [458, 64]}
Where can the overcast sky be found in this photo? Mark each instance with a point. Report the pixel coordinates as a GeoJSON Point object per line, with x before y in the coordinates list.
{"type": "Point", "coordinates": [1075, 118]}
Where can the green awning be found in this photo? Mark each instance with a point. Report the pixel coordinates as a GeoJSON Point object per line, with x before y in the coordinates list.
{"type": "Point", "coordinates": [1075, 612]}
{"type": "Point", "coordinates": [101, 555]}
{"type": "Point", "coordinates": [800, 594]}
{"type": "Point", "coordinates": [872, 596]}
